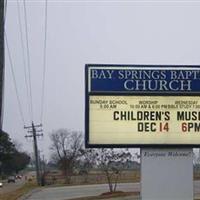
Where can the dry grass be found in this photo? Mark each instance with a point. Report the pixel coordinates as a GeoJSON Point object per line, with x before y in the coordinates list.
{"type": "Point", "coordinates": [196, 175]}
{"type": "Point", "coordinates": [95, 177]}
{"type": "Point", "coordinates": [18, 192]}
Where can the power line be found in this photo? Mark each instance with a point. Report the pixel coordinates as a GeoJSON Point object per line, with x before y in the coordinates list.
{"type": "Point", "coordinates": [28, 59]}
{"type": "Point", "coordinates": [14, 79]}
{"type": "Point", "coordinates": [24, 60]}
{"type": "Point", "coordinates": [44, 61]}
{"type": "Point", "coordinates": [3, 7]}
{"type": "Point", "coordinates": [5, 10]}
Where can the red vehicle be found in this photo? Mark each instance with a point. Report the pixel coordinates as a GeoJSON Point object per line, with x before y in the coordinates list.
{"type": "Point", "coordinates": [18, 176]}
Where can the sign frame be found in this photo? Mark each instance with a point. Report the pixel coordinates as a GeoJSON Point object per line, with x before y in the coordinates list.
{"type": "Point", "coordinates": [88, 94]}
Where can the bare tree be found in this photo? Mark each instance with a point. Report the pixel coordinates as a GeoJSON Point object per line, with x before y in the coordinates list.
{"type": "Point", "coordinates": [87, 162]}
{"type": "Point", "coordinates": [67, 147]}
{"type": "Point", "coordinates": [112, 162]}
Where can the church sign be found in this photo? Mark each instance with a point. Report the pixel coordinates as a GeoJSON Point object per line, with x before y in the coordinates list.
{"type": "Point", "coordinates": [142, 106]}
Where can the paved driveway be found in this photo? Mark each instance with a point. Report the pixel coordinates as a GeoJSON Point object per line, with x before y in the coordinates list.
{"type": "Point", "coordinates": [63, 193]}
{"type": "Point", "coordinates": [68, 192]}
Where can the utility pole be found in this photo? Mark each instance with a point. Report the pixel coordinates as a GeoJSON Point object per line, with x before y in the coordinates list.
{"type": "Point", "coordinates": [34, 135]}
{"type": "Point", "coordinates": [44, 164]}
{"type": "Point", "coordinates": [2, 59]}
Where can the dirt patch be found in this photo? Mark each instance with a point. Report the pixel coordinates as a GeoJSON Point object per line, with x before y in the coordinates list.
{"type": "Point", "coordinates": [109, 195]}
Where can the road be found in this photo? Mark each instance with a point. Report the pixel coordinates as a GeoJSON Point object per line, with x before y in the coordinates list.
{"type": "Point", "coordinates": [68, 192]}
{"type": "Point", "coordinates": [9, 187]}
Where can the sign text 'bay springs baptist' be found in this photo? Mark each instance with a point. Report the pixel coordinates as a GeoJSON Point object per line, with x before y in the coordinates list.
{"type": "Point", "coordinates": [142, 105]}
{"type": "Point", "coordinates": [145, 80]}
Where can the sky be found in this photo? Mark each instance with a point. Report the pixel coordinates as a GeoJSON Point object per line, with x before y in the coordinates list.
{"type": "Point", "coordinates": [82, 32]}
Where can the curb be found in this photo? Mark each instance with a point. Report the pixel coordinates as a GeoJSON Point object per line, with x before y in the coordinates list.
{"type": "Point", "coordinates": [29, 194]}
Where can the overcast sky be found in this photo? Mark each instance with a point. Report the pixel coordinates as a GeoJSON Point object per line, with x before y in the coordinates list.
{"type": "Point", "coordinates": [80, 32]}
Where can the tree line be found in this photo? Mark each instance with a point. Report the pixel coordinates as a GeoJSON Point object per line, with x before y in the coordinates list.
{"type": "Point", "coordinates": [12, 160]}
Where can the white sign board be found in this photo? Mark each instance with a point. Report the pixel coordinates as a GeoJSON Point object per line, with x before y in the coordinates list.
{"type": "Point", "coordinates": [144, 120]}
